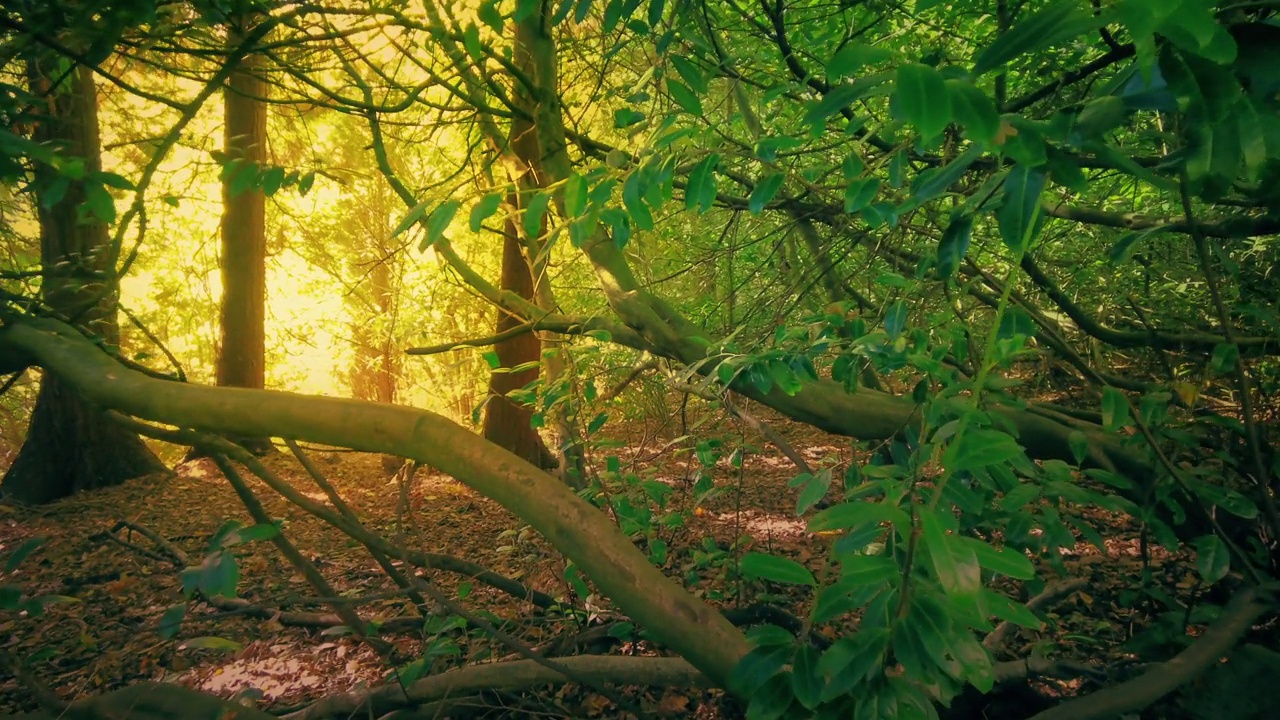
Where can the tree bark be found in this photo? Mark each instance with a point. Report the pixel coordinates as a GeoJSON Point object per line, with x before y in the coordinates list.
{"type": "Point", "coordinates": [242, 350]}
{"type": "Point", "coordinates": [70, 445]}
{"type": "Point", "coordinates": [506, 422]}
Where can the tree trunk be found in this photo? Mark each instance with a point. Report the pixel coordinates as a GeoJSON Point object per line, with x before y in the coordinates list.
{"type": "Point", "coordinates": [242, 351]}
{"type": "Point", "coordinates": [70, 444]}
{"type": "Point", "coordinates": [506, 422]}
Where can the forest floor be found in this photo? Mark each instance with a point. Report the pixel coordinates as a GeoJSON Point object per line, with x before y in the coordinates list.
{"type": "Point", "coordinates": [105, 632]}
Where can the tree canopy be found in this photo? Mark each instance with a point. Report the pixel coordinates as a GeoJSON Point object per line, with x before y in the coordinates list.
{"type": "Point", "coordinates": [1021, 255]}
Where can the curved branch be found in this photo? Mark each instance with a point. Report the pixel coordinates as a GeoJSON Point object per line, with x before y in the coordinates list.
{"type": "Point", "coordinates": [1227, 228]}
{"type": "Point", "coordinates": [1138, 693]}
{"type": "Point", "coordinates": [514, 675]}
{"type": "Point", "coordinates": [522, 329]}
{"type": "Point", "coordinates": [1199, 342]}
{"type": "Point", "coordinates": [574, 527]}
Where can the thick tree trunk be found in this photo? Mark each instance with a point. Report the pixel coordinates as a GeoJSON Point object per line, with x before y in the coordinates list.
{"type": "Point", "coordinates": [70, 445]}
{"type": "Point", "coordinates": [506, 422]}
{"type": "Point", "coordinates": [242, 351]}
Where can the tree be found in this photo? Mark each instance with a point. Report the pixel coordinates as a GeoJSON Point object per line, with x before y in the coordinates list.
{"type": "Point", "coordinates": [71, 445]}
{"type": "Point", "coordinates": [955, 194]}
{"type": "Point", "coordinates": [242, 351]}
{"type": "Point", "coordinates": [508, 423]}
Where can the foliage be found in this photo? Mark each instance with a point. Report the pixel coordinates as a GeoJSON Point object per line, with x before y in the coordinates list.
{"type": "Point", "coordinates": [792, 201]}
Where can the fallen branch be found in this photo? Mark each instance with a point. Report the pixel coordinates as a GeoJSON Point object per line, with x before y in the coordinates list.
{"type": "Point", "coordinates": [1218, 639]}
{"type": "Point", "coordinates": [223, 451]}
{"type": "Point", "coordinates": [1040, 666]}
{"type": "Point", "coordinates": [426, 561]}
{"type": "Point", "coordinates": [154, 701]}
{"type": "Point", "coordinates": [303, 619]}
{"type": "Point", "coordinates": [514, 675]}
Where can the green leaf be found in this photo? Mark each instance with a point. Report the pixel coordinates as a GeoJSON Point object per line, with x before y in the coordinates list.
{"type": "Point", "coordinates": [954, 244]}
{"type": "Point", "coordinates": [415, 214]}
{"type": "Point", "coordinates": [633, 199]}
{"type": "Point", "coordinates": [1015, 321]}
{"type": "Point", "coordinates": [1253, 144]}
{"type": "Point", "coordinates": [171, 621]}
{"type": "Point", "coordinates": [1237, 504]}
{"type": "Point", "coordinates": [764, 191]}
{"type": "Point", "coordinates": [533, 215]}
{"type": "Point", "coordinates": [1115, 409]}
{"type": "Point", "coordinates": [1224, 358]}
{"type": "Point", "coordinates": [1005, 561]}
{"type": "Point", "coordinates": [935, 181]}
{"type": "Point", "coordinates": [213, 643]}
{"type": "Point", "coordinates": [980, 448]}
{"type": "Point", "coordinates": [854, 515]}
{"type": "Point", "coordinates": [484, 209]}
{"type": "Point", "coordinates": [656, 8]}
{"type": "Point", "coordinates": [612, 14]}
{"type": "Point", "coordinates": [253, 533]}
{"type": "Point", "coordinates": [575, 195]}
{"type": "Point", "coordinates": [1213, 560]}
{"type": "Point", "coordinates": [490, 15]}
{"type": "Point", "coordinates": [1020, 217]}
{"type": "Point", "coordinates": [684, 97]}
{"type": "Point", "coordinates": [438, 222]}
{"type": "Point", "coordinates": [1079, 445]}
{"type": "Point", "coordinates": [773, 700]}
{"type": "Point", "coordinates": [471, 42]}
{"type": "Point", "coordinates": [839, 97]}
{"type": "Point", "coordinates": [863, 570]}
{"type": "Point", "coordinates": [954, 564]}
{"type": "Point", "coordinates": [859, 194]}
{"type": "Point", "coordinates": [219, 575]}
{"type": "Point", "coordinates": [850, 660]}
{"type": "Point", "coordinates": [1213, 157]}
{"type": "Point", "coordinates": [761, 566]}
{"type": "Point", "coordinates": [22, 552]}
{"type": "Point", "coordinates": [1126, 245]}
{"type": "Point", "coordinates": [814, 490]}
{"type": "Point", "coordinates": [1062, 21]}
{"type": "Point", "coordinates": [271, 180]}
{"type": "Point", "coordinates": [807, 683]}
{"type": "Point", "coordinates": [895, 319]}
{"type": "Point", "coordinates": [99, 204]}
{"type": "Point", "coordinates": [974, 109]}
{"type": "Point", "coordinates": [853, 56]}
{"type": "Point", "coordinates": [922, 95]}
{"type": "Point", "coordinates": [762, 663]}
{"type": "Point", "coordinates": [619, 224]}
{"type": "Point", "coordinates": [626, 117]}
{"type": "Point", "coordinates": [701, 190]}
{"type": "Point", "coordinates": [689, 73]}
{"type": "Point", "coordinates": [242, 179]}
{"type": "Point", "coordinates": [1003, 608]}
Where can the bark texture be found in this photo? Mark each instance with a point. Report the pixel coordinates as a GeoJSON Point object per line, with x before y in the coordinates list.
{"type": "Point", "coordinates": [70, 445]}
{"type": "Point", "coordinates": [242, 350]}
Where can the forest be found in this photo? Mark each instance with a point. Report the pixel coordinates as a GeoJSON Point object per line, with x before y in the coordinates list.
{"type": "Point", "coordinates": [868, 359]}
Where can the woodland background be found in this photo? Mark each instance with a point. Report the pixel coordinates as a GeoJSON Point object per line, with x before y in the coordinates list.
{"type": "Point", "coordinates": [853, 358]}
